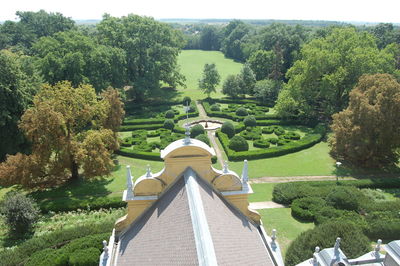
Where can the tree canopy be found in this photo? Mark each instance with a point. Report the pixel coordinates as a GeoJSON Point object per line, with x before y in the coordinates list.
{"type": "Point", "coordinates": [320, 82]}
{"type": "Point", "coordinates": [17, 87]}
{"type": "Point", "coordinates": [151, 49]}
{"type": "Point", "coordinates": [75, 57]}
{"type": "Point", "coordinates": [210, 79]}
{"type": "Point", "coordinates": [70, 130]}
{"type": "Point", "coordinates": [367, 133]}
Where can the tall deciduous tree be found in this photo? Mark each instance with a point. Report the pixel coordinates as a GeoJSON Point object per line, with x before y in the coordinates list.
{"type": "Point", "coordinates": [261, 63]}
{"type": "Point", "coordinates": [231, 86]}
{"type": "Point", "coordinates": [75, 57]}
{"type": "Point", "coordinates": [151, 49]}
{"type": "Point", "coordinates": [210, 79]}
{"type": "Point", "coordinates": [329, 68]}
{"type": "Point", "coordinates": [367, 133]}
{"type": "Point", "coordinates": [70, 129]}
{"type": "Point", "coordinates": [17, 88]}
{"type": "Point", "coordinates": [247, 80]}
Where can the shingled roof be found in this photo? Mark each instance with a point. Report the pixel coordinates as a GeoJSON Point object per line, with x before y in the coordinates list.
{"type": "Point", "coordinates": [192, 224]}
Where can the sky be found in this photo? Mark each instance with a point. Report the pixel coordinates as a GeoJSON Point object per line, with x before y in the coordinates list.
{"type": "Point", "coordinates": [334, 10]}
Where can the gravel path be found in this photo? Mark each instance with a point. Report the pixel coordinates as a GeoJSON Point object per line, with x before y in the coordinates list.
{"type": "Point", "coordinates": [211, 136]}
{"type": "Point", "coordinates": [265, 205]}
{"type": "Point", "coordinates": [202, 112]}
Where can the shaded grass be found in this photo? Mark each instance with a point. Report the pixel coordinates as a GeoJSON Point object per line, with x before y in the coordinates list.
{"type": "Point", "coordinates": [288, 228]}
{"type": "Point", "coordinates": [192, 63]}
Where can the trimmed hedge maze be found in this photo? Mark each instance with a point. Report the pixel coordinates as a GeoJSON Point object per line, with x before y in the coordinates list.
{"type": "Point", "coordinates": [270, 141]}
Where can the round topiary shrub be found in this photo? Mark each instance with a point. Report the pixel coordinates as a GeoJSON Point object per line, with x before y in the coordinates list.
{"type": "Point", "coordinates": [291, 135]}
{"type": "Point", "coordinates": [241, 111]}
{"type": "Point", "coordinates": [169, 114]}
{"type": "Point", "coordinates": [353, 242]}
{"type": "Point", "coordinates": [169, 124]}
{"type": "Point", "coordinates": [250, 121]}
{"type": "Point", "coordinates": [215, 107]}
{"type": "Point", "coordinates": [305, 208]}
{"type": "Point", "coordinates": [238, 143]}
{"type": "Point", "coordinates": [203, 138]}
{"type": "Point", "coordinates": [347, 198]}
{"type": "Point", "coordinates": [85, 257]}
{"type": "Point", "coordinates": [196, 130]}
{"type": "Point", "coordinates": [20, 212]}
{"type": "Point", "coordinates": [228, 129]}
{"type": "Point", "coordinates": [186, 100]}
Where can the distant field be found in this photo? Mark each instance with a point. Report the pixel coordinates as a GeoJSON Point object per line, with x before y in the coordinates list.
{"type": "Point", "coordinates": [192, 64]}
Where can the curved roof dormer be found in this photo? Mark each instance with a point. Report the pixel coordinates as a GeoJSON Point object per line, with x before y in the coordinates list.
{"type": "Point", "coordinates": [180, 148]}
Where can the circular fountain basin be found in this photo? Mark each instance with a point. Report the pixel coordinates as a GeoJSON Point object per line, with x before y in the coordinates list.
{"type": "Point", "coordinates": [208, 124]}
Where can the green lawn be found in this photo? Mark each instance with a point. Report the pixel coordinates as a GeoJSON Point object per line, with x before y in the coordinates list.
{"type": "Point", "coordinates": [313, 161]}
{"type": "Point", "coordinates": [192, 63]}
{"type": "Point", "coordinates": [262, 192]}
{"type": "Point", "coordinates": [286, 226]}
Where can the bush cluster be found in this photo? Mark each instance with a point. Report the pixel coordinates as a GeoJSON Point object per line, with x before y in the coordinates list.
{"type": "Point", "coordinates": [250, 121]}
{"type": "Point", "coordinates": [196, 130]}
{"type": "Point", "coordinates": [261, 143]}
{"type": "Point", "coordinates": [169, 114]}
{"type": "Point", "coordinates": [241, 111]}
{"type": "Point", "coordinates": [353, 242]}
{"type": "Point", "coordinates": [20, 212]}
{"type": "Point", "coordinates": [305, 208]}
{"type": "Point", "coordinates": [215, 107]}
{"type": "Point", "coordinates": [58, 239]}
{"type": "Point", "coordinates": [238, 143]}
{"type": "Point", "coordinates": [228, 129]}
{"type": "Point", "coordinates": [203, 138]}
{"type": "Point", "coordinates": [169, 124]}
{"type": "Point", "coordinates": [307, 141]}
{"type": "Point", "coordinates": [251, 133]}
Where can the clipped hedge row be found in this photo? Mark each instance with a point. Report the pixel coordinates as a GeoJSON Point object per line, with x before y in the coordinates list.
{"type": "Point", "coordinates": [307, 141]}
{"type": "Point", "coordinates": [137, 127]}
{"type": "Point", "coordinates": [67, 204]}
{"type": "Point", "coordinates": [137, 122]}
{"type": "Point", "coordinates": [128, 152]}
{"type": "Point", "coordinates": [285, 193]}
{"type": "Point", "coordinates": [233, 116]}
{"type": "Point", "coordinates": [22, 253]}
{"type": "Point", "coordinates": [79, 252]}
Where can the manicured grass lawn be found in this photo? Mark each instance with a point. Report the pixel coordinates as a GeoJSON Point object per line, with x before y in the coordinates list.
{"type": "Point", "coordinates": [286, 226]}
{"type": "Point", "coordinates": [192, 64]}
{"type": "Point", "coordinates": [262, 192]}
{"type": "Point", "coordinates": [309, 162]}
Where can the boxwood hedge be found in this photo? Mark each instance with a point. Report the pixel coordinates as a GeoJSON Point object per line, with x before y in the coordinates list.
{"type": "Point", "coordinates": [304, 143]}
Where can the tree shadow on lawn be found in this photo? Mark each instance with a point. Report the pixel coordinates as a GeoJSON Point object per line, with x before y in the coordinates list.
{"type": "Point", "coordinates": [345, 170]}
{"type": "Point", "coordinates": [75, 191]}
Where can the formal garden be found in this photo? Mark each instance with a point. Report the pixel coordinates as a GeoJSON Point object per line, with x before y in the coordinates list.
{"type": "Point", "coordinates": [69, 141]}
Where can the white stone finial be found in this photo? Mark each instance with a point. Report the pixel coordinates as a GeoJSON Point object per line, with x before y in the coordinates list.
{"type": "Point", "coordinates": [315, 261]}
{"type": "Point", "coordinates": [245, 172]}
{"type": "Point", "coordinates": [187, 133]}
{"type": "Point", "coordinates": [273, 237]}
{"type": "Point", "coordinates": [225, 170]}
{"type": "Point", "coordinates": [148, 171]}
{"type": "Point", "coordinates": [336, 248]}
{"type": "Point", "coordinates": [378, 246]}
{"type": "Point", "coordinates": [105, 248]}
{"type": "Point", "coordinates": [129, 183]}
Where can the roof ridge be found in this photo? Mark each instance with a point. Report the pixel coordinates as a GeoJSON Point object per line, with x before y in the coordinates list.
{"type": "Point", "coordinates": [204, 243]}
